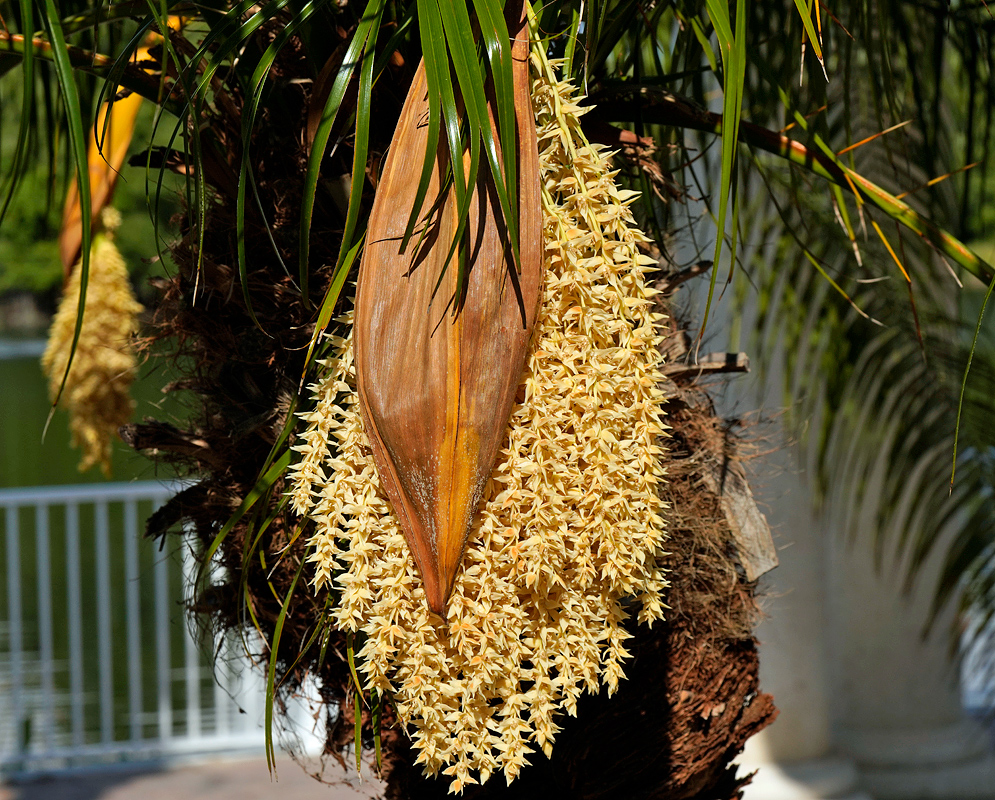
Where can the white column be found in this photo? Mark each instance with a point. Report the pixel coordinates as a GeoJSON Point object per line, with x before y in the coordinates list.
{"type": "Point", "coordinates": [900, 713]}
{"type": "Point", "coordinates": [794, 756]}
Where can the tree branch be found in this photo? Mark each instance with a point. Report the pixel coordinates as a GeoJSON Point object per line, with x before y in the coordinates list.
{"type": "Point", "coordinates": [656, 105]}
{"type": "Point", "coordinates": [712, 364]}
{"type": "Point", "coordinates": [133, 78]}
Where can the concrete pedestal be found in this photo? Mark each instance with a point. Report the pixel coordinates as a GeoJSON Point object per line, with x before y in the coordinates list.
{"type": "Point", "coordinates": [951, 762]}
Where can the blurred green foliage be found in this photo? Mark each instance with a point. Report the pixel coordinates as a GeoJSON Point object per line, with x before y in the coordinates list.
{"type": "Point", "coordinates": [29, 252]}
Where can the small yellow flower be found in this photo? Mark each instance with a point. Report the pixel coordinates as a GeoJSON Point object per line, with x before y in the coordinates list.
{"type": "Point", "coordinates": [97, 390]}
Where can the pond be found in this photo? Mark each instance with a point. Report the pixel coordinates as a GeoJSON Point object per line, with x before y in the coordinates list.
{"type": "Point", "coordinates": [30, 456]}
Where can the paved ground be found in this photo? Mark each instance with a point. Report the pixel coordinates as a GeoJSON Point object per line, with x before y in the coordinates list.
{"type": "Point", "coordinates": [219, 780]}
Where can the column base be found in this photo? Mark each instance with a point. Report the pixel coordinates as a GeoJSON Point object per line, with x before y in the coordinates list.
{"type": "Point", "coordinates": [818, 779]}
{"type": "Point", "coordinates": [972, 780]}
{"type": "Point", "coordinates": [952, 762]}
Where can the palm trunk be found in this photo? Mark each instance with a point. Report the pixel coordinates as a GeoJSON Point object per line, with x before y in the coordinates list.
{"type": "Point", "coordinates": [691, 697]}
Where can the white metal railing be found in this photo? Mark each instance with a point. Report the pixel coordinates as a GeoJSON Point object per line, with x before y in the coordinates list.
{"type": "Point", "coordinates": [96, 661]}
{"type": "Point", "coordinates": [97, 664]}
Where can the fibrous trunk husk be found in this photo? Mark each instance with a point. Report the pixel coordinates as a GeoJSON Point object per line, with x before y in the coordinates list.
{"type": "Point", "coordinates": [104, 159]}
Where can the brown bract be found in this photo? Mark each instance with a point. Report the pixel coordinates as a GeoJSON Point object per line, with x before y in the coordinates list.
{"type": "Point", "coordinates": [438, 365]}
{"type": "Point", "coordinates": [104, 161]}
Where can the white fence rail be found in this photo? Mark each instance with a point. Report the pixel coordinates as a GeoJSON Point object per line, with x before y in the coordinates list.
{"type": "Point", "coordinates": [96, 661]}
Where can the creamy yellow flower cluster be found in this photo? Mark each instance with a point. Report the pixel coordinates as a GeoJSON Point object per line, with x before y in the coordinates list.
{"type": "Point", "coordinates": [570, 525]}
{"type": "Point", "coordinates": [97, 393]}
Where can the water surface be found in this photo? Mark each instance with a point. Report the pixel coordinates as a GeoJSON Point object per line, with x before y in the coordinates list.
{"type": "Point", "coordinates": [31, 457]}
